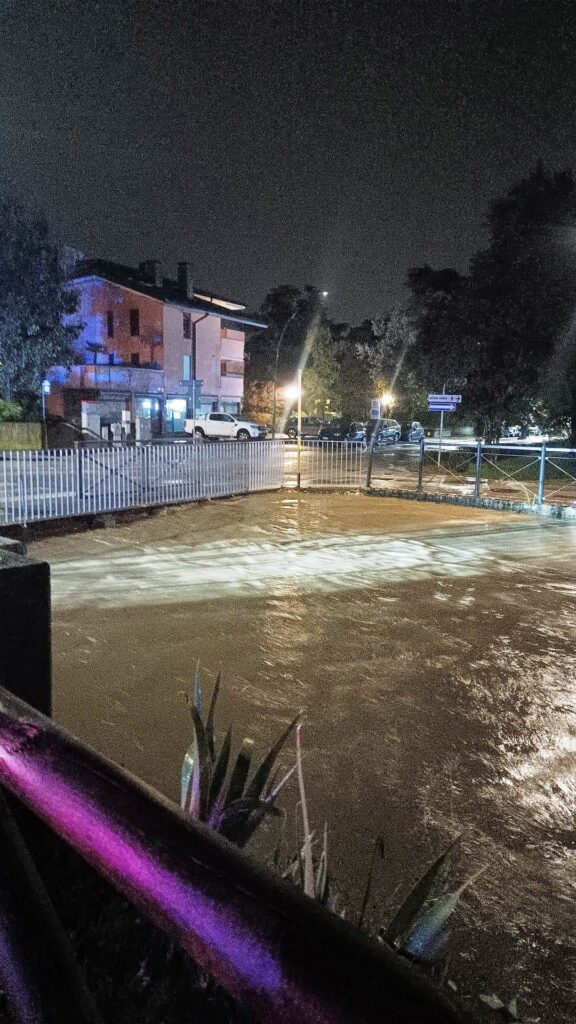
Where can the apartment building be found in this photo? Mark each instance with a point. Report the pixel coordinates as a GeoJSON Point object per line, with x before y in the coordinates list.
{"type": "Point", "coordinates": [152, 350]}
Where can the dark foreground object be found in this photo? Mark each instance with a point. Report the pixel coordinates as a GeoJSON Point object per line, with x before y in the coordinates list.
{"type": "Point", "coordinates": [25, 650]}
{"type": "Point", "coordinates": [38, 972]}
{"type": "Point", "coordinates": [284, 956]}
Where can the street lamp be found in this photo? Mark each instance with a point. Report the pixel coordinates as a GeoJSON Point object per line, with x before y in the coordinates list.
{"type": "Point", "coordinates": [387, 400]}
{"type": "Point", "coordinates": [292, 392]}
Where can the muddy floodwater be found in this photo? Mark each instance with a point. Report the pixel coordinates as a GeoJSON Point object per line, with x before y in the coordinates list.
{"type": "Point", "coordinates": [432, 649]}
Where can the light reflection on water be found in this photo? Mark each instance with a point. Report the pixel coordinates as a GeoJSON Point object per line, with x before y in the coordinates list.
{"type": "Point", "coordinates": [436, 665]}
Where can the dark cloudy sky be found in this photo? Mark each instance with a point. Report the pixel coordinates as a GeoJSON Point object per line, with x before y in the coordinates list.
{"type": "Point", "coordinates": [334, 143]}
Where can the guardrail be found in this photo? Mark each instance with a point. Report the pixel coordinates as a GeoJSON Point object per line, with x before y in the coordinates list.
{"type": "Point", "coordinates": [40, 485]}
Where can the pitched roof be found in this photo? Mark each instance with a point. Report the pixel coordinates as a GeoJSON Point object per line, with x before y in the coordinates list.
{"type": "Point", "coordinates": [136, 279]}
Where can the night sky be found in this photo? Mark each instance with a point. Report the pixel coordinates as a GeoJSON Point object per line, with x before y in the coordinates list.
{"type": "Point", "coordinates": [283, 140]}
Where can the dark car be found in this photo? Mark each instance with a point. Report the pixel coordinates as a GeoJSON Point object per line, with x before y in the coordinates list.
{"type": "Point", "coordinates": [343, 430]}
{"type": "Point", "coordinates": [310, 426]}
{"type": "Point", "coordinates": [412, 432]}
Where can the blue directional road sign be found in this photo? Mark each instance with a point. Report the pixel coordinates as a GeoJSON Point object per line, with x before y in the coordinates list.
{"type": "Point", "coordinates": [442, 406]}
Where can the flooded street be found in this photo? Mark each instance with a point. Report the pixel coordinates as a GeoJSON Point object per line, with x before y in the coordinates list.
{"type": "Point", "coordinates": [432, 649]}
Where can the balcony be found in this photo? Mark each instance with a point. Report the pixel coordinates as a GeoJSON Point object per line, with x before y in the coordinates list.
{"type": "Point", "coordinates": [102, 377]}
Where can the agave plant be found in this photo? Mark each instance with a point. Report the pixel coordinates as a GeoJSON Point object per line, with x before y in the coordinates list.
{"type": "Point", "coordinates": [226, 800]}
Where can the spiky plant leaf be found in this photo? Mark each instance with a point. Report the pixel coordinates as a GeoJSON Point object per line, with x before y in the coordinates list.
{"type": "Point", "coordinates": [210, 718]}
{"type": "Point", "coordinates": [217, 794]}
{"type": "Point", "coordinates": [272, 791]}
{"type": "Point", "coordinates": [378, 848]}
{"type": "Point", "coordinates": [425, 938]}
{"type": "Point", "coordinates": [202, 770]}
{"type": "Point", "coordinates": [308, 864]}
{"type": "Point", "coordinates": [405, 917]}
{"type": "Point", "coordinates": [240, 774]}
{"type": "Point", "coordinates": [321, 879]}
{"type": "Point", "coordinates": [258, 782]}
{"type": "Point", "coordinates": [197, 703]}
{"type": "Point", "coordinates": [186, 774]}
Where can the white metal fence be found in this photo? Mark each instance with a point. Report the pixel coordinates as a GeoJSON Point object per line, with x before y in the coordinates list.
{"type": "Point", "coordinates": [37, 485]}
{"type": "Point", "coordinates": [326, 464]}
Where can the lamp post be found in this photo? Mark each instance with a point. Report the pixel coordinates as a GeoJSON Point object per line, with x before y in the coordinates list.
{"type": "Point", "coordinates": [291, 393]}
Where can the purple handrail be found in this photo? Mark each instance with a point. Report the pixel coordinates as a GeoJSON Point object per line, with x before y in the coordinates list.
{"type": "Point", "coordinates": [284, 956]}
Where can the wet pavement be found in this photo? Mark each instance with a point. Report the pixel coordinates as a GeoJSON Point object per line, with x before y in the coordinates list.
{"type": "Point", "coordinates": [432, 649]}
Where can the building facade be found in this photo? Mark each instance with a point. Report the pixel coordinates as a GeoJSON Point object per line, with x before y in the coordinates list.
{"type": "Point", "coordinates": [151, 351]}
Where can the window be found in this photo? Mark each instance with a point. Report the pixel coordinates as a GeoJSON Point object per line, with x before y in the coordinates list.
{"type": "Point", "coordinates": [135, 323]}
{"type": "Point", "coordinates": [186, 368]}
{"type": "Point", "coordinates": [134, 359]}
{"type": "Point", "coordinates": [110, 323]}
{"type": "Point", "coordinates": [186, 325]}
{"type": "Point", "coordinates": [232, 368]}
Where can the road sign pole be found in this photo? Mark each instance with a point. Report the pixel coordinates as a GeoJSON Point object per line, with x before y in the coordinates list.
{"type": "Point", "coordinates": [441, 427]}
{"type": "Point", "coordinates": [441, 432]}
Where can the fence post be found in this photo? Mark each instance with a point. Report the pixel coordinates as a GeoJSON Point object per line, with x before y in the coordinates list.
{"type": "Point", "coordinates": [541, 476]}
{"type": "Point", "coordinates": [79, 476]}
{"type": "Point", "coordinates": [420, 467]}
{"type": "Point", "coordinates": [477, 472]}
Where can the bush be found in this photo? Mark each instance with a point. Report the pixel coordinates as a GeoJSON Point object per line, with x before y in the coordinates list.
{"type": "Point", "coordinates": [9, 411]}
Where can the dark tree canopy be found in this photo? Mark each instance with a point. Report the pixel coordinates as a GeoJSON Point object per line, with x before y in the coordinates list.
{"type": "Point", "coordinates": [34, 303]}
{"type": "Point", "coordinates": [498, 331]}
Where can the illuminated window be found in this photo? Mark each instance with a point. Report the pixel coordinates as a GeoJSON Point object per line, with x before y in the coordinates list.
{"type": "Point", "coordinates": [135, 323]}
{"type": "Point", "coordinates": [110, 323]}
{"type": "Point", "coordinates": [186, 325]}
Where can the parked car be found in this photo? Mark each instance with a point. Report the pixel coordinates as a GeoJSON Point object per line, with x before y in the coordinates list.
{"type": "Point", "coordinates": [389, 431]}
{"type": "Point", "coordinates": [411, 432]}
{"type": "Point", "coordinates": [310, 426]}
{"type": "Point", "coordinates": [513, 431]}
{"type": "Point", "coordinates": [223, 425]}
{"type": "Point", "coordinates": [343, 430]}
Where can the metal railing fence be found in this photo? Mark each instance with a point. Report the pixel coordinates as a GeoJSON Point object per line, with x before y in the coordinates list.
{"type": "Point", "coordinates": [326, 464]}
{"type": "Point", "coordinates": [40, 485]}
{"type": "Point", "coordinates": [532, 475]}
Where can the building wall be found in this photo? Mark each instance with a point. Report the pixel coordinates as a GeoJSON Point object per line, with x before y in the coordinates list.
{"type": "Point", "coordinates": [96, 298]}
{"type": "Point", "coordinates": [213, 347]}
{"type": "Point", "coordinates": [219, 354]}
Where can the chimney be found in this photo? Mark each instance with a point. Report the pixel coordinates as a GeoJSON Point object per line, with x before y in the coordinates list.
{"type": "Point", "coordinates": [151, 271]}
{"type": "Point", "coordinates": [185, 282]}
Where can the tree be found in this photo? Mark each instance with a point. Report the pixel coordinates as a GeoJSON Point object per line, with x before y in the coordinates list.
{"type": "Point", "coordinates": [495, 334]}
{"type": "Point", "coordinates": [34, 304]}
{"type": "Point", "coordinates": [521, 298]}
{"type": "Point", "coordinates": [321, 375]}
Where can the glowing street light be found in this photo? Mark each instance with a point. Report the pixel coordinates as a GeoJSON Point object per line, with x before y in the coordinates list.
{"type": "Point", "coordinates": [292, 392]}
{"type": "Point", "coordinates": [388, 399]}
